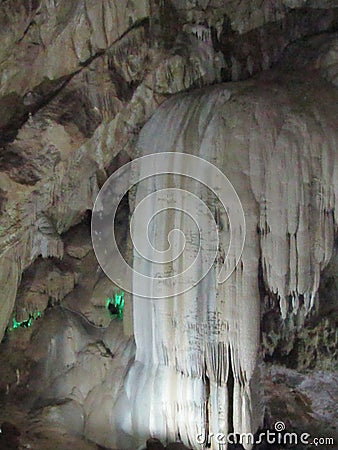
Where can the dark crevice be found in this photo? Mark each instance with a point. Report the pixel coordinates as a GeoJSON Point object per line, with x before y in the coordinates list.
{"type": "Point", "coordinates": [108, 352]}
{"type": "Point", "coordinates": [207, 399]}
{"type": "Point", "coordinates": [230, 386]}
{"type": "Point", "coordinates": [270, 40]}
{"type": "Point", "coordinates": [124, 89]}
{"type": "Point", "coordinates": [29, 26]}
{"type": "Point", "coordinates": [17, 112]}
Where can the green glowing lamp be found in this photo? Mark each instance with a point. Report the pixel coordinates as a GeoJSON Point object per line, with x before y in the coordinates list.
{"type": "Point", "coordinates": [25, 323]}
{"type": "Point", "coordinates": [116, 305]}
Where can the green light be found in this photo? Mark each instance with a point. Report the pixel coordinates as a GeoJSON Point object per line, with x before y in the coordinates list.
{"type": "Point", "coordinates": [116, 305]}
{"type": "Point", "coordinates": [15, 324]}
{"type": "Point", "coordinates": [25, 323]}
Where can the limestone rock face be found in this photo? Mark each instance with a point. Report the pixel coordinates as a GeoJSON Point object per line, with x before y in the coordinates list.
{"type": "Point", "coordinates": [56, 38]}
{"type": "Point", "coordinates": [32, 222]}
{"type": "Point", "coordinates": [193, 43]}
{"type": "Point", "coordinates": [298, 398]}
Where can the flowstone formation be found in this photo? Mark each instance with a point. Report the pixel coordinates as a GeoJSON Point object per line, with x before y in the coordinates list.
{"type": "Point", "coordinates": [197, 353]}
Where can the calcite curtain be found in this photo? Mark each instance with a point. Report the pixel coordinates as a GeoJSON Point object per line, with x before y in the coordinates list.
{"type": "Point", "coordinates": [196, 368]}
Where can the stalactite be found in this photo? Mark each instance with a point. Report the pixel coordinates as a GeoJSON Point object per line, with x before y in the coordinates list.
{"type": "Point", "coordinates": [200, 32]}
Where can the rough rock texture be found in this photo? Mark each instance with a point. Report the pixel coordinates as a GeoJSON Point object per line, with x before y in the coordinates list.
{"type": "Point", "coordinates": [78, 81]}
{"type": "Point", "coordinates": [305, 342]}
{"type": "Point", "coordinates": [303, 401]}
{"type": "Point", "coordinates": [64, 371]}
